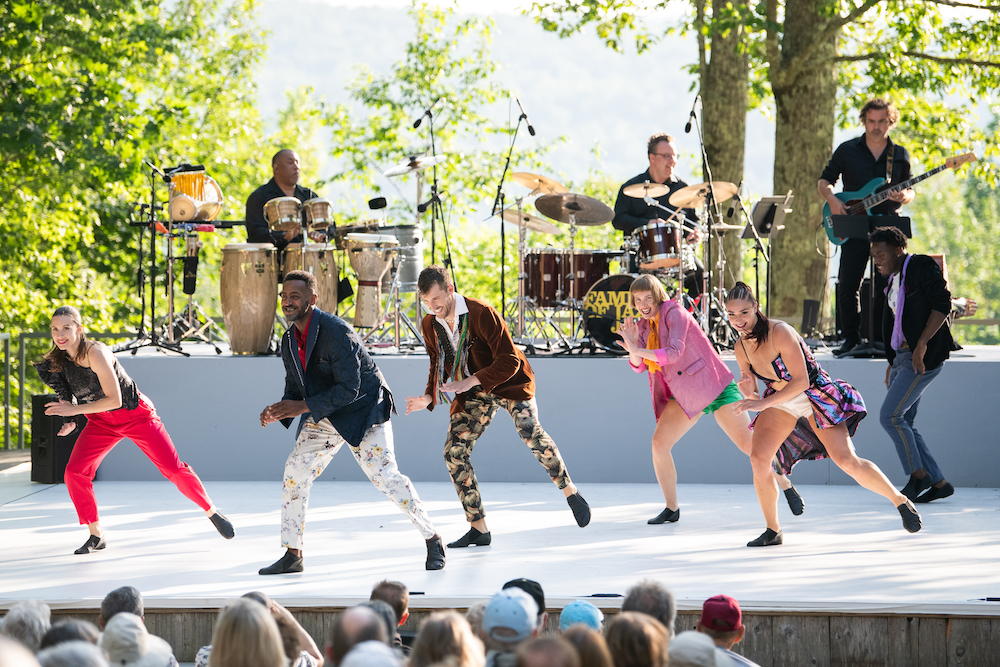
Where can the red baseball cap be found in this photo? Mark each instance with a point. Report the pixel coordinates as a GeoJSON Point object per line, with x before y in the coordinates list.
{"type": "Point", "coordinates": [722, 613]}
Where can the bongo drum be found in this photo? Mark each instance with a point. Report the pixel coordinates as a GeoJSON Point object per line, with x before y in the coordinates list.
{"type": "Point", "coordinates": [249, 291]}
{"type": "Point", "coordinates": [319, 213]}
{"type": "Point", "coordinates": [371, 256]}
{"type": "Point", "coordinates": [320, 260]}
{"type": "Point", "coordinates": [283, 214]}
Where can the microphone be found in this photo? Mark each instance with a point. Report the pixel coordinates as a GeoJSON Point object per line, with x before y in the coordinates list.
{"type": "Point", "coordinates": [435, 198]}
{"type": "Point", "coordinates": [736, 199]}
{"type": "Point", "coordinates": [531, 129]}
{"type": "Point", "coordinates": [153, 167]}
{"type": "Point", "coordinates": [427, 112]}
{"type": "Point", "coordinates": [687, 128]}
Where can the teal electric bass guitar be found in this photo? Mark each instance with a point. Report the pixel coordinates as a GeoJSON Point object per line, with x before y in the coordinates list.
{"type": "Point", "coordinates": [860, 202]}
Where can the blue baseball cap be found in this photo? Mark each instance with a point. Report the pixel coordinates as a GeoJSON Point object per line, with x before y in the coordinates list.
{"type": "Point", "coordinates": [580, 612]}
{"type": "Point", "coordinates": [514, 610]}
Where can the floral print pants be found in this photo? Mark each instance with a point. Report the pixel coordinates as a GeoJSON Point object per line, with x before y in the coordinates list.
{"type": "Point", "coordinates": [315, 447]}
{"type": "Point", "coordinates": [470, 423]}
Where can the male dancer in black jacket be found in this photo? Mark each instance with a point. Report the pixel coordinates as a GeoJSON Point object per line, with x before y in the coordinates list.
{"type": "Point", "coordinates": [331, 380]}
{"type": "Point", "coordinates": [917, 343]}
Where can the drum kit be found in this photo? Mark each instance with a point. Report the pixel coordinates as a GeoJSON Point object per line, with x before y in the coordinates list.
{"type": "Point", "coordinates": [581, 281]}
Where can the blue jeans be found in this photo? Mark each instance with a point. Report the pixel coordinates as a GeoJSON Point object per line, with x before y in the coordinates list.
{"type": "Point", "coordinates": [899, 409]}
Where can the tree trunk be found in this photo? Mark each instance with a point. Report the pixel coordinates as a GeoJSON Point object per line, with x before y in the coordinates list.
{"type": "Point", "coordinates": [805, 106]}
{"type": "Point", "coordinates": [725, 99]}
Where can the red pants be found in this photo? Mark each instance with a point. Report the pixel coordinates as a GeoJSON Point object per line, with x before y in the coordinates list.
{"type": "Point", "coordinates": [103, 431]}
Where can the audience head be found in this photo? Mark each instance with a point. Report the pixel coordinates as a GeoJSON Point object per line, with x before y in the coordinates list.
{"type": "Point", "coordinates": [71, 629]}
{"type": "Point", "coordinates": [129, 644]}
{"type": "Point", "coordinates": [121, 599]}
{"type": "Point", "coordinates": [15, 654]}
{"type": "Point", "coordinates": [371, 653]}
{"type": "Point", "coordinates": [510, 617]}
{"type": "Point", "coordinates": [384, 612]}
{"type": "Point", "coordinates": [637, 639]}
{"type": "Point", "coordinates": [475, 618]}
{"type": "Point", "coordinates": [722, 620]}
{"type": "Point", "coordinates": [353, 626]}
{"type": "Point", "coordinates": [693, 649]}
{"type": "Point", "coordinates": [257, 596]}
{"type": "Point", "coordinates": [447, 637]}
{"type": "Point", "coordinates": [27, 622]}
{"type": "Point", "coordinates": [580, 612]}
{"type": "Point", "coordinates": [396, 595]}
{"type": "Point", "coordinates": [590, 646]}
{"type": "Point", "coordinates": [246, 634]}
{"type": "Point", "coordinates": [652, 598]}
{"type": "Point", "coordinates": [534, 589]}
{"type": "Point", "coordinates": [76, 653]}
{"type": "Point", "coordinates": [547, 652]}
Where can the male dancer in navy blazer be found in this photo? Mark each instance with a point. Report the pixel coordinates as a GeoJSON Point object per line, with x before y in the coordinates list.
{"type": "Point", "coordinates": [331, 380]}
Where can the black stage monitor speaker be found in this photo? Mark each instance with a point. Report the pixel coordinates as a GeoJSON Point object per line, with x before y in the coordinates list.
{"type": "Point", "coordinates": [50, 452]}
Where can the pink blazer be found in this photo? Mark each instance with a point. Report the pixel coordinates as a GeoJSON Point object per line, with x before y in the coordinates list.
{"type": "Point", "coordinates": [693, 373]}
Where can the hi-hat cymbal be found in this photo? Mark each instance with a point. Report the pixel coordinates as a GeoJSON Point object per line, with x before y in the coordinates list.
{"type": "Point", "coordinates": [581, 209]}
{"type": "Point", "coordinates": [416, 163]}
{"type": "Point", "coordinates": [693, 196]}
{"type": "Point", "coordinates": [542, 184]}
{"type": "Point", "coordinates": [532, 222]}
{"type": "Point", "coordinates": [642, 190]}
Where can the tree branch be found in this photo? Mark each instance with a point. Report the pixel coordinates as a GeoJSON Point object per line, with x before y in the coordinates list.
{"type": "Point", "coordinates": [952, 3]}
{"type": "Point", "coordinates": [920, 56]}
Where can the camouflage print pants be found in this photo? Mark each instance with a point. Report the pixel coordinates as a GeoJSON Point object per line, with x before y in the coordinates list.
{"type": "Point", "coordinates": [469, 424]}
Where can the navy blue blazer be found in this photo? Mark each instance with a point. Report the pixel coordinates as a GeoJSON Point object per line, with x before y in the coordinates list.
{"type": "Point", "coordinates": [340, 381]}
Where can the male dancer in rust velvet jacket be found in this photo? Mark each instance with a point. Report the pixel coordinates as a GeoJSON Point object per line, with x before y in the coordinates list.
{"type": "Point", "coordinates": [473, 356]}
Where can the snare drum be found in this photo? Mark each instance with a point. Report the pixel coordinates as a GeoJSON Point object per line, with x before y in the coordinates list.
{"type": "Point", "coordinates": [319, 213]}
{"type": "Point", "coordinates": [606, 304]}
{"type": "Point", "coordinates": [371, 256]}
{"type": "Point", "coordinates": [249, 291]}
{"type": "Point", "coordinates": [659, 245]}
{"type": "Point", "coordinates": [320, 260]}
{"type": "Point", "coordinates": [283, 214]}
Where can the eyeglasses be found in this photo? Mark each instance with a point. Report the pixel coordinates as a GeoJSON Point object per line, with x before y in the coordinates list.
{"type": "Point", "coordinates": [665, 155]}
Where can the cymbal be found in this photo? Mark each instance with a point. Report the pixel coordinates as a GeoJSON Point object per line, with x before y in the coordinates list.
{"type": "Point", "coordinates": [532, 222]}
{"type": "Point", "coordinates": [641, 190]}
{"type": "Point", "coordinates": [416, 163]}
{"type": "Point", "coordinates": [693, 196]}
{"type": "Point", "coordinates": [721, 227]}
{"type": "Point", "coordinates": [582, 209]}
{"type": "Point", "coordinates": [537, 182]}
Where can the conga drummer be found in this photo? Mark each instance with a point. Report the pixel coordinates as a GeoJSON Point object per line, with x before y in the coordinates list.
{"type": "Point", "coordinates": [284, 185]}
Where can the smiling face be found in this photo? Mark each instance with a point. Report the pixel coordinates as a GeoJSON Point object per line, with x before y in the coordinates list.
{"type": "Point", "coordinates": [888, 259]}
{"type": "Point", "coordinates": [296, 301]}
{"type": "Point", "coordinates": [440, 301]}
{"type": "Point", "coordinates": [742, 315]}
{"type": "Point", "coordinates": [66, 333]}
{"type": "Point", "coordinates": [645, 304]}
{"type": "Point", "coordinates": [663, 161]}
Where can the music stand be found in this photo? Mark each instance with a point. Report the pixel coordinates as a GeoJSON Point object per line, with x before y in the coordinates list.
{"type": "Point", "coordinates": [765, 220]}
{"type": "Point", "coordinates": [861, 227]}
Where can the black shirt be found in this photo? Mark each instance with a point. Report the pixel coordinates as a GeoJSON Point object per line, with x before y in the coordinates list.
{"type": "Point", "coordinates": [632, 213]}
{"type": "Point", "coordinates": [853, 162]}
{"type": "Point", "coordinates": [257, 228]}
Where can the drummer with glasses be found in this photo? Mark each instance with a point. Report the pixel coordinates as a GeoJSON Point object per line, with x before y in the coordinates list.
{"type": "Point", "coordinates": [632, 213]}
{"type": "Point", "coordinates": [284, 183]}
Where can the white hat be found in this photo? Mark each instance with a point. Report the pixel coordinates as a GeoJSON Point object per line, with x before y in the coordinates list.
{"type": "Point", "coordinates": [129, 644]}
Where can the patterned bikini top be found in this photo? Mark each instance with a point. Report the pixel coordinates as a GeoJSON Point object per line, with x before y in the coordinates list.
{"type": "Point", "coordinates": [778, 365]}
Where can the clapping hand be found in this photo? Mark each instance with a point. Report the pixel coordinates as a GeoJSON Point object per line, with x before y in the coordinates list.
{"type": "Point", "coordinates": [747, 384]}
{"type": "Point", "coordinates": [629, 331]}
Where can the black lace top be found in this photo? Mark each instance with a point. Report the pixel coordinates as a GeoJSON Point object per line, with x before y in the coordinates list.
{"type": "Point", "coordinates": [73, 381]}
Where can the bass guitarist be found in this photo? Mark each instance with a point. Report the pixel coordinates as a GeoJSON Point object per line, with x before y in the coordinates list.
{"type": "Point", "coordinates": [858, 161]}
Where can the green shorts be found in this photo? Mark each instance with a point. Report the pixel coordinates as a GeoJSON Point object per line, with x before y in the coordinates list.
{"type": "Point", "coordinates": [729, 395]}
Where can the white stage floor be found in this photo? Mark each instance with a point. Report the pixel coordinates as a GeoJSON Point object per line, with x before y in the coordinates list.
{"type": "Point", "coordinates": [847, 553]}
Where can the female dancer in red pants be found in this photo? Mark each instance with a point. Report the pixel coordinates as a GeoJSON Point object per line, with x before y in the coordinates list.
{"type": "Point", "coordinates": [86, 371]}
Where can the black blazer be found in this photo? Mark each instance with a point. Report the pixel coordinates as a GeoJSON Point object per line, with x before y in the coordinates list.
{"type": "Point", "coordinates": [340, 382]}
{"type": "Point", "coordinates": [924, 291]}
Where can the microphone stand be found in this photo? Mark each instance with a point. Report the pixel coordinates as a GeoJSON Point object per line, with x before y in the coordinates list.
{"type": "Point", "coordinates": [710, 203]}
{"type": "Point", "coordinates": [437, 209]}
{"type": "Point", "coordinates": [499, 205]}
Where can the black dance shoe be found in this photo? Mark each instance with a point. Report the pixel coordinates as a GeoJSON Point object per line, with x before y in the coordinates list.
{"type": "Point", "coordinates": [222, 525]}
{"type": "Point", "coordinates": [795, 502]}
{"type": "Point", "coordinates": [911, 520]}
{"type": "Point", "coordinates": [848, 345]}
{"type": "Point", "coordinates": [435, 553]}
{"type": "Point", "coordinates": [581, 510]}
{"type": "Point", "coordinates": [666, 516]}
{"type": "Point", "coordinates": [93, 543]}
{"type": "Point", "coordinates": [473, 537]}
{"type": "Point", "coordinates": [915, 487]}
{"type": "Point", "coordinates": [284, 565]}
{"type": "Point", "coordinates": [934, 493]}
{"type": "Point", "coordinates": [768, 538]}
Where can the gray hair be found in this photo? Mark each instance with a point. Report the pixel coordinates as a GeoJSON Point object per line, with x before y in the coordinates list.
{"type": "Point", "coordinates": [27, 622]}
{"type": "Point", "coordinates": [76, 653]}
{"type": "Point", "coordinates": [652, 598]}
{"type": "Point", "coordinates": [126, 598]}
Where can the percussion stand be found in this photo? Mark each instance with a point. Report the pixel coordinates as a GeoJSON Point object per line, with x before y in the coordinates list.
{"type": "Point", "coordinates": [394, 305]}
{"type": "Point", "coordinates": [188, 326]}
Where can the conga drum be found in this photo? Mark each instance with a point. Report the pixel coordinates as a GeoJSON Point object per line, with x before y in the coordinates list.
{"type": "Point", "coordinates": [371, 256]}
{"type": "Point", "coordinates": [320, 260]}
{"type": "Point", "coordinates": [249, 286]}
{"type": "Point", "coordinates": [283, 214]}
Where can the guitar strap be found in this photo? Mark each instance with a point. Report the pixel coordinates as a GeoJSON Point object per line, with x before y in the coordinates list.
{"type": "Point", "coordinates": [888, 163]}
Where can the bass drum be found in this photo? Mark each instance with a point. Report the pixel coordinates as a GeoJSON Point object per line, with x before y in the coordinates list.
{"type": "Point", "coordinates": [607, 303]}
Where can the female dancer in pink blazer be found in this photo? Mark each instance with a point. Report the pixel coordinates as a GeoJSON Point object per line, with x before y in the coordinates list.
{"type": "Point", "coordinates": [687, 378]}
